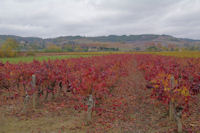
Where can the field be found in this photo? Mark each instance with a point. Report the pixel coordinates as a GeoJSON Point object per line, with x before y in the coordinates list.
{"type": "Point", "coordinates": [114, 93]}
{"type": "Point", "coordinates": [39, 58]}
{"type": "Point", "coordinates": [64, 55]}
{"type": "Point", "coordinates": [176, 54]}
{"type": "Point", "coordinates": [52, 56]}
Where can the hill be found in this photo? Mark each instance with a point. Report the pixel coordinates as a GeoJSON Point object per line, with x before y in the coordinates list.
{"type": "Point", "coordinates": [121, 42]}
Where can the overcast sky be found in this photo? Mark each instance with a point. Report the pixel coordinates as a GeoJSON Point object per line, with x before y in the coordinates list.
{"type": "Point", "coordinates": [52, 18]}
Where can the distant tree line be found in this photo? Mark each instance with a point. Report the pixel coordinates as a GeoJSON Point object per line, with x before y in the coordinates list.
{"type": "Point", "coordinates": [12, 48]}
{"type": "Point", "coordinates": [76, 48]}
{"type": "Point", "coordinates": [171, 47]}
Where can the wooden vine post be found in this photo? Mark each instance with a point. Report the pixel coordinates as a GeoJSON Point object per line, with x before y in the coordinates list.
{"type": "Point", "coordinates": [38, 95]}
{"type": "Point", "coordinates": [90, 107]}
{"type": "Point", "coordinates": [178, 117]}
{"type": "Point", "coordinates": [175, 114]}
{"type": "Point", "coordinates": [26, 101]}
{"type": "Point", "coordinates": [34, 90]}
{"type": "Point", "coordinates": [60, 89]}
{"type": "Point", "coordinates": [171, 104]}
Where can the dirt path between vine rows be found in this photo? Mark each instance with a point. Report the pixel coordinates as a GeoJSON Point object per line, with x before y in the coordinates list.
{"type": "Point", "coordinates": [149, 116]}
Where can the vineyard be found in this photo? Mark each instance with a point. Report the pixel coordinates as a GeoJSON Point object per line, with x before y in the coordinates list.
{"type": "Point", "coordinates": [110, 93]}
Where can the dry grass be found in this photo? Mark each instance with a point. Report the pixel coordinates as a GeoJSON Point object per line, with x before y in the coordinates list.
{"type": "Point", "coordinates": [65, 121]}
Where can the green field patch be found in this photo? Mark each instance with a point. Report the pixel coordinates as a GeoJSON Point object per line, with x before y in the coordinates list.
{"type": "Point", "coordinates": [39, 58]}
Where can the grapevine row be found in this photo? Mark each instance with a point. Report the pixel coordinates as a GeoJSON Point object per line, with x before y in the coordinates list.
{"type": "Point", "coordinates": [96, 76]}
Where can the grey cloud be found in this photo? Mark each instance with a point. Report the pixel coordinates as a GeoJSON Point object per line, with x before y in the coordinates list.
{"type": "Point", "coordinates": [52, 18]}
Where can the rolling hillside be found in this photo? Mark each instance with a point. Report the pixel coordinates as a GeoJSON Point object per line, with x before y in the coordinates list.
{"type": "Point", "coordinates": [112, 41]}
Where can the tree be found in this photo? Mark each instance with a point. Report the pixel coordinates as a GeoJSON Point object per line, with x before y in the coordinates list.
{"type": "Point", "coordinates": [68, 48]}
{"type": "Point", "coordinates": [53, 48]}
{"type": "Point", "coordinates": [9, 48]}
{"type": "Point", "coordinates": [152, 48]}
{"type": "Point", "coordinates": [171, 47]}
{"type": "Point", "coordinates": [137, 48]}
{"type": "Point", "coordinates": [77, 49]}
